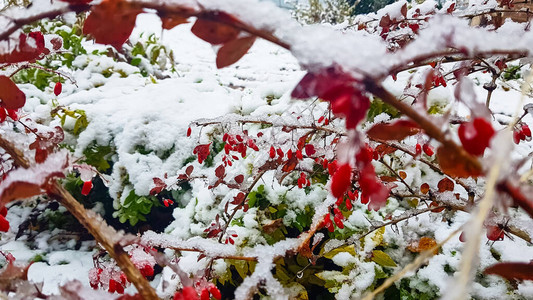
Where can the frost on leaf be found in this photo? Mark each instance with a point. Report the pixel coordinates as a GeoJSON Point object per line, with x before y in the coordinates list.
{"type": "Point", "coordinates": [30, 47]}
{"type": "Point", "coordinates": [111, 22]}
{"type": "Point", "coordinates": [24, 183]}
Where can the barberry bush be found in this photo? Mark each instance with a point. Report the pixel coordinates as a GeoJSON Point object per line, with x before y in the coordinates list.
{"type": "Point", "coordinates": [397, 163]}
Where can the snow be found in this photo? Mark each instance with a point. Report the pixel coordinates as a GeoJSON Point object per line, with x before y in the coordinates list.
{"type": "Point", "coordinates": [128, 111]}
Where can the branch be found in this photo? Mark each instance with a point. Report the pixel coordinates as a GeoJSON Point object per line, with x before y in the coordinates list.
{"type": "Point", "coordinates": [105, 235]}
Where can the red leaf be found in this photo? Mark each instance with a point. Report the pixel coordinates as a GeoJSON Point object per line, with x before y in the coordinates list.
{"type": "Point", "coordinates": [189, 170]}
{"type": "Point", "coordinates": [233, 50]}
{"type": "Point", "coordinates": [12, 97]}
{"type": "Point", "coordinates": [111, 22]}
{"type": "Point", "coordinates": [170, 21]}
{"type": "Point", "coordinates": [518, 195]}
{"type": "Point", "coordinates": [26, 52]}
{"type": "Point", "coordinates": [159, 186]}
{"type": "Point", "coordinates": [290, 164]}
{"type": "Point", "coordinates": [239, 178]}
{"type": "Point", "coordinates": [215, 32]}
{"type": "Point", "coordinates": [202, 151]}
{"type": "Point", "coordinates": [309, 149]}
{"type": "Point", "coordinates": [455, 165]}
{"type": "Point", "coordinates": [517, 271]}
{"type": "Point", "coordinates": [393, 131]}
{"type": "Point", "coordinates": [220, 171]}
{"type": "Point", "coordinates": [20, 190]}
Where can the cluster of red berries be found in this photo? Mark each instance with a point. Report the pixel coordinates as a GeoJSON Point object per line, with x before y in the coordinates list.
{"type": "Point", "coordinates": [4, 113]}
{"type": "Point", "coordinates": [116, 283]}
{"type": "Point", "coordinates": [239, 144]}
{"type": "Point", "coordinates": [427, 148]}
{"type": "Point", "coordinates": [352, 196]}
{"type": "Point", "coordinates": [229, 239]}
{"type": "Point", "coordinates": [4, 223]}
{"type": "Point", "coordinates": [338, 219]}
{"type": "Point", "coordinates": [167, 202]}
{"type": "Point", "coordinates": [521, 132]}
{"type": "Point", "coordinates": [324, 120]}
{"type": "Point", "coordinates": [438, 79]}
{"type": "Point", "coordinates": [303, 181]}
{"type": "Point", "coordinates": [190, 293]}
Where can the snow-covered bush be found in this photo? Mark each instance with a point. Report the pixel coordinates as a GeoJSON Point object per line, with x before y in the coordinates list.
{"type": "Point", "coordinates": [392, 156]}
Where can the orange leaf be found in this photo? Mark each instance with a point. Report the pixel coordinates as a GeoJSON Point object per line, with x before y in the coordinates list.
{"type": "Point", "coordinates": [393, 131]}
{"type": "Point", "coordinates": [455, 165]}
{"type": "Point", "coordinates": [19, 190]}
{"type": "Point", "coordinates": [12, 97]}
{"type": "Point", "coordinates": [424, 188]}
{"type": "Point", "coordinates": [214, 32]}
{"type": "Point", "coordinates": [425, 243]}
{"type": "Point", "coordinates": [388, 178]}
{"type": "Point", "coordinates": [445, 184]}
{"type": "Point", "coordinates": [233, 50]}
{"type": "Point", "coordinates": [520, 271]}
{"type": "Point", "coordinates": [111, 22]}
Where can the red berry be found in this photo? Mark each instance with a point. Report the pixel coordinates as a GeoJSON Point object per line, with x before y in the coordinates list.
{"type": "Point", "coordinates": [462, 237]}
{"type": "Point", "coordinates": [289, 154]}
{"type": "Point", "coordinates": [87, 186]}
{"type": "Point", "coordinates": [321, 119]}
{"type": "Point", "coordinates": [188, 293]}
{"type": "Point", "coordinates": [215, 292]}
{"type": "Point", "coordinates": [495, 233]}
{"type": "Point", "coordinates": [341, 180]}
{"type": "Point", "coordinates": [272, 152]}
{"type": "Point", "coordinates": [428, 149]}
{"type": "Point", "coordinates": [326, 121]}
{"type": "Point", "coordinates": [148, 271]}
{"type": "Point", "coordinates": [349, 204]}
{"type": "Point", "coordinates": [204, 295]}
{"type": "Point", "coordinates": [338, 222]}
{"type": "Point", "coordinates": [516, 136]}
{"type": "Point", "coordinates": [189, 131]}
{"type": "Point", "coordinates": [526, 130]}
{"type": "Point", "coordinates": [4, 224]}
{"type": "Point", "coordinates": [339, 200]}
{"type": "Point", "coordinates": [418, 149]}
{"type": "Point", "coordinates": [57, 88]}
{"type": "Point", "coordinates": [476, 135]}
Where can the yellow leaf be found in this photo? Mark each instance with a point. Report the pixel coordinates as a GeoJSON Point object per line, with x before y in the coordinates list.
{"type": "Point", "coordinates": [350, 249]}
{"type": "Point", "coordinates": [382, 259]}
